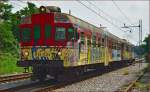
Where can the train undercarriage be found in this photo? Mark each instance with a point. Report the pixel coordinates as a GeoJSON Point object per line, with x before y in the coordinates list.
{"type": "Point", "coordinates": [54, 69]}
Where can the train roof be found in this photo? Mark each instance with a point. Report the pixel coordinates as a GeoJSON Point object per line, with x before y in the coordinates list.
{"type": "Point", "coordinates": [92, 27]}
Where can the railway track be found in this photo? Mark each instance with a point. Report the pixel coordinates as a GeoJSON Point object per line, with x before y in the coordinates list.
{"type": "Point", "coordinates": [65, 83]}
{"type": "Point", "coordinates": [16, 77]}
{"type": "Point", "coordinates": [71, 80]}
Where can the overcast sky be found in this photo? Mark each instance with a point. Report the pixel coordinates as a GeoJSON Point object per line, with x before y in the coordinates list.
{"type": "Point", "coordinates": [133, 10]}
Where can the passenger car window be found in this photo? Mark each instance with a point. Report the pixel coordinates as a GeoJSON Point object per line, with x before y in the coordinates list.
{"type": "Point", "coordinates": [94, 41]}
{"type": "Point", "coordinates": [47, 31]}
{"type": "Point", "coordinates": [82, 38]}
{"type": "Point", "coordinates": [26, 34]}
{"type": "Point", "coordinates": [70, 34]}
{"type": "Point", "coordinates": [60, 33]}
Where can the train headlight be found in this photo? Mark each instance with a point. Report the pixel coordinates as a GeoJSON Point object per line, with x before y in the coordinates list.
{"type": "Point", "coordinates": [59, 53]}
{"type": "Point", "coordinates": [26, 53]}
{"type": "Point", "coordinates": [42, 9]}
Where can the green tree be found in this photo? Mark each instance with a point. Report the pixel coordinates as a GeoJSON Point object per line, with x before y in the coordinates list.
{"type": "Point", "coordinates": [142, 50]}
{"type": "Point", "coordinates": [5, 11]}
{"type": "Point", "coordinates": [28, 11]}
{"type": "Point", "coordinates": [8, 41]}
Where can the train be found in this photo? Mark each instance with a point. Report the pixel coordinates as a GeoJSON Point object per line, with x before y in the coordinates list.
{"type": "Point", "coordinates": [52, 42]}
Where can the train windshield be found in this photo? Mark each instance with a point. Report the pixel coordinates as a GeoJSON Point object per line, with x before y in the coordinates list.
{"type": "Point", "coordinates": [36, 32]}
{"type": "Point", "coordinates": [26, 34]}
{"type": "Point", "coordinates": [47, 31]}
{"type": "Point", "coordinates": [60, 33]}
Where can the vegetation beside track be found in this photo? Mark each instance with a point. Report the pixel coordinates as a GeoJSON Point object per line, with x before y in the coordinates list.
{"type": "Point", "coordinates": [8, 64]}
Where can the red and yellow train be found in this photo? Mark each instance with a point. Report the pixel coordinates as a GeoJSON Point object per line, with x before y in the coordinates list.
{"type": "Point", "coordinates": [53, 42]}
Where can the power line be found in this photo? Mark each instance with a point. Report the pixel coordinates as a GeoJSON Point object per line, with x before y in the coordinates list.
{"type": "Point", "coordinates": [125, 16]}
{"type": "Point", "coordinates": [102, 17]}
{"type": "Point", "coordinates": [105, 12]}
{"type": "Point", "coordinates": [99, 15]}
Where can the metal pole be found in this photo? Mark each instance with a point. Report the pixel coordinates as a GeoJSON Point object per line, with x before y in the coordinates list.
{"type": "Point", "coordinates": [139, 33]}
{"type": "Point", "coordinates": [139, 40]}
{"type": "Point", "coordinates": [141, 37]}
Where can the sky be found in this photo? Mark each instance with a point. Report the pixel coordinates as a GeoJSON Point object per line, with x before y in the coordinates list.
{"type": "Point", "coordinates": [112, 14]}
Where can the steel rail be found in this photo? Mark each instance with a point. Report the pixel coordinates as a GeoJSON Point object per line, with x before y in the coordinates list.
{"type": "Point", "coordinates": [4, 79]}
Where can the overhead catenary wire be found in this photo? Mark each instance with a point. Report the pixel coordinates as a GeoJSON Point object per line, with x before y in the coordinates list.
{"type": "Point", "coordinates": [105, 12]}
{"type": "Point", "coordinates": [125, 16]}
{"type": "Point", "coordinates": [99, 15]}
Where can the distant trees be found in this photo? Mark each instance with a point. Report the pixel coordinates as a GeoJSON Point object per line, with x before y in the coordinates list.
{"type": "Point", "coordinates": [142, 50]}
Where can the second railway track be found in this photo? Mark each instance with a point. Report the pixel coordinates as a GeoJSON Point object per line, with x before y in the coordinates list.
{"type": "Point", "coordinates": [10, 78]}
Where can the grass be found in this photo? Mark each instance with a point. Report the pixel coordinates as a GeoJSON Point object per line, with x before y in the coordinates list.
{"type": "Point", "coordinates": [142, 86]}
{"type": "Point", "coordinates": [8, 64]}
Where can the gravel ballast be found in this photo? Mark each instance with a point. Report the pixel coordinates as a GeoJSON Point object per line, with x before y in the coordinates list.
{"type": "Point", "coordinates": [108, 82]}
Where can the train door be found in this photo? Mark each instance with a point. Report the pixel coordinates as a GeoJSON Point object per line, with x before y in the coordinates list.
{"type": "Point", "coordinates": [106, 51]}
{"type": "Point", "coordinates": [82, 49]}
{"type": "Point", "coordinates": [89, 49]}
{"type": "Point", "coordinates": [110, 49]}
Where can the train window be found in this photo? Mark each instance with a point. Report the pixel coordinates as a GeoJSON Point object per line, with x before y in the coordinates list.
{"type": "Point", "coordinates": [89, 42]}
{"type": "Point", "coordinates": [70, 34]}
{"type": "Point", "coordinates": [94, 41]}
{"type": "Point", "coordinates": [26, 34]}
{"type": "Point", "coordinates": [99, 42]}
{"type": "Point", "coordinates": [103, 41]}
{"type": "Point", "coordinates": [60, 33]}
{"type": "Point", "coordinates": [82, 38]}
{"type": "Point", "coordinates": [37, 32]}
{"type": "Point", "coordinates": [47, 31]}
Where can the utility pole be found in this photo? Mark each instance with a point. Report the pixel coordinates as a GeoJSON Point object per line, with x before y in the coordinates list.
{"type": "Point", "coordinates": [140, 30]}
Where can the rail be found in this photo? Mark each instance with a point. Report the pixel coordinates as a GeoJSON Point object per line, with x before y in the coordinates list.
{"type": "Point", "coordinates": [4, 79]}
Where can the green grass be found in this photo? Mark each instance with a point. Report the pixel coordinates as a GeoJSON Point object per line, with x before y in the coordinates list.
{"type": "Point", "coordinates": [8, 64]}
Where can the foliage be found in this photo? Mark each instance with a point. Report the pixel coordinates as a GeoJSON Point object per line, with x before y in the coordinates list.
{"type": "Point", "coordinates": [9, 32]}
{"type": "Point", "coordinates": [8, 41]}
{"type": "Point", "coordinates": [5, 11]}
{"type": "Point", "coordinates": [142, 50]}
{"type": "Point", "coordinates": [8, 64]}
